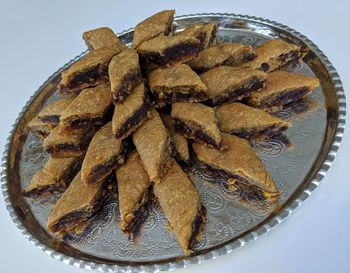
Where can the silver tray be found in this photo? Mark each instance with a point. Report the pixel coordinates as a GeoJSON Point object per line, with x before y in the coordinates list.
{"type": "Point", "coordinates": [297, 163]}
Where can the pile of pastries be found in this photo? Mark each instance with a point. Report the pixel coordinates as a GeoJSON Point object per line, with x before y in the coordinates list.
{"type": "Point", "coordinates": [130, 121]}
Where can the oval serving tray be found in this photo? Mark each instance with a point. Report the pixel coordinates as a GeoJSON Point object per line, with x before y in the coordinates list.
{"type": "Point", "coordinates": [297, 163]}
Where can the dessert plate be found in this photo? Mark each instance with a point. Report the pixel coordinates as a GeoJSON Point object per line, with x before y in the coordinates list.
{"type": "Point", "coordinates": [297, 163]}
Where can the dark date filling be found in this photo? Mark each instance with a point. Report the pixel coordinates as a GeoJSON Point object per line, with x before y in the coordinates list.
{"type": "Point", "coordinates": [240, 93]}
{"type": "Point", "coordinates": [93, 76]}
{"type": "Point", "coordinates": [290, 56]}
{"type": "Point", "coordinates": [197, 134]}
{"type": "Point", "coordinates": [197, 226]}
{"type": "Point", "coordinates": [54, 119]}
{"type": "Point", "coordinates": [103, 170]}
{"type": "Point", "coordinates": [213, 37]}
{"type": "Point", "coordinates": [241, 186]}
{"type": "Point", "coordinates": [83, 122]}
{"type": "Point", "coordinates": [129, 81]}
{"type": "Point", "coordinates": [40, 133]}
{"type": "Point", "coordinates": [170, 55]}
{"type": "Point", "coordinates": [285, 98]}
{"type": "Point", "coordinates": [135, 120]}
{"type": "Point", "coordinates": [266, 133]}
{"type": "Point", "coordinates": [191, 95]}
{"type": "Point", "coordinates": [65, 147]}
{"type": "Point", "coordinates": [45, 190]}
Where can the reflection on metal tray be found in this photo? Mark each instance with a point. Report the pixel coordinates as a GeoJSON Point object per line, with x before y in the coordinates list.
{"type": "Point", "coordinates": [297, 163]}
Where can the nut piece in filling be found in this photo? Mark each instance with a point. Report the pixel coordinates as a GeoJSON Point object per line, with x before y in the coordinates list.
{"type": "Point", "coordinates": [182, 206]}
{"type": "Point", "coordinates": [102, 37]}
{"type": "Point", "coordinates": [283, 88]}
{"type": "Point", "coordinates": [133, 193]}
{"type": "Point", "coordinates": [273, 54]}
{"type": "Point", "coordinates": [54, 178]}
{"type": "Point", "coordinates": [89, 70]}
{"type": "Point", "coordinates": [239, 168]}
{"type": "Point", "coordinates": [158, 24]}
{"type": "Point", "coordinates": [124, 74]}
{"type": "Point", "coordinates": [90, 107]}
{"type": "Point", "coordinates": [177, 83]}
{"type": "Point", "coordinates": [197, 121]}
{"type": "Point", "coordinates": [178, 142]}
{"type": "Point", "coordinates": [39, 128]}
{"type": "Point", "coordinates": [206, 33]}
{"type": "Point", "coordinates": [131, 113]}
{"type": "Point", "coordinates": [51, 113]}
{"type": "Point", "coordinates": [249, 122]}
{"type": "Point", "coordinates": [222, 54]}
{"type": "Point", "coordinates": [152, 142]}
{"type": "Point", "coordinates": [76, 206]}
{"type": "Point", "coordinates": [226, 84]}
{"type": "Point", "coordinates": [165, 51]}
{"type": "Point", "coordinates": [104, 154]}
{"type": "Point", "coordinates": [63, 143]}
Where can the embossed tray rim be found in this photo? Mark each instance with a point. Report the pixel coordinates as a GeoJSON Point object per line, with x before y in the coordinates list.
{"type": "Point", "coordinates": [227, 247]}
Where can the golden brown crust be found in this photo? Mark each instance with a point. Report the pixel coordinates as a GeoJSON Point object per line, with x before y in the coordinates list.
{"type": "Point", "coordinates": [179, 142]}
{"type": "Point", "coordinates": [102, 37]}
{"type": "Point", "coordinates": [273, 54]}
{"type": "Point", "coordinates": [152, 142]}
{"type": "Point", "coordinates": [222, 80]}
{"type": "Point", "coordinates": [238, 159]}
{"type": "Point", "coordinates": [157, 24]}
{"type": "Point", "coordinates": [198, 117]}
{"type": "Point", "coordinates": [55, 174]}
{"type": "Point", "coordinates": [90, 107]}
{"type": "Point", "coordinates": [179, 79]}
{"type": "Point", "coordinates": [78, 75]}
{"type": "Point", "coordinates": [104, 154]}
{"type": "Point", "coordinates": [78, 197]}
{"type": "Point", "coordinates": [211, 38]}
{"type": "Point", "coordinates": [39, 128]}
{"type": "Point", "coordinates": [133, 183]}
{"type": "Point", "coordinates": [131, 113]}
{"type": "Point", "coordinates": [222, 54]}
{"type": "Point", "coordinates": [124, 74]}
{"type": "Point", "coordinates": [180, 202]}
{"type": "Point", "coordinates": [51, 113]}
{"type": "Point", "coordinates": [236, 117]}
{"type": "Point", "coordinates": [63, 143]}
{"type": "Point", "coordinates": [165, 51]}
{"type": "Point", "coordinates": [279, 82]}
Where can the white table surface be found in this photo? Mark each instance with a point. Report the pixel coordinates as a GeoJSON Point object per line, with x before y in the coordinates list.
{"type": "Point", "coordinates": [37, 37]}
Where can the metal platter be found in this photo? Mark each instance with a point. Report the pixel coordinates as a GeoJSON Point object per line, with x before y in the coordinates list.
{"type": "Point", "coordinates": [297, 163]}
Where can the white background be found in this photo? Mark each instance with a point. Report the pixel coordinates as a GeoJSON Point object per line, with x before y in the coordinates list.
{"type": "Point", "coordinates": [38, 37]}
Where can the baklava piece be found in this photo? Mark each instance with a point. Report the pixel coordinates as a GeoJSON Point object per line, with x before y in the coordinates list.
{"type": "Point", "coordinates": [89, 70]}
{"type": "Point", "coordinates": [39, 128]}
{"type": "Point", "coordinates": [152, 142]}
{"type": "Point", "coordinates": [91, 107]}
{"type": "Point", "coordinates": [102, 37]}
{"type": "Point", "coordinates": [178, 142]}
{"type": "Point", "coordinates": [182, 206]}
{"type": "Point", "coordinates": [104, 154]}
{"type": "Point", "coordinates": [226, 84]}
{"type": "Point", "coordinates": [177, 83]}
{"type": "Point", "coordinates": [51, 113]}
{"type": "Point", "coordinates": [158, 24]}
{"type": "Point", "coordinates": [197, 121]}
{"type": "Point", "coordinates": [273, 54]}
{"type": "Point", "coordinates": [222, 54]}
{"type": "Point", "coordinates": [282, 89]}
{"type": "Point", "coordinates": [78, 204]}
{"type": "Point", "coordinates": [249, 122]}
{"type": "Point", "coordinates": [124, 74]}
{"type": "Point", "coordinates": [134, 193]}
{"type": "Point", "coordinates": [131, 113]}
{"type": "Point", "coordinates": [165, 51]}
{"type": "Point", "coordinates": [54, 178]}
{"type": "Point", "coordinates": [63, 143]}
{"type": "Point", "coordinates": [239, 168]}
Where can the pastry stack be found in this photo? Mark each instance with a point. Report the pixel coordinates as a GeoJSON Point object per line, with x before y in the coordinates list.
{"type": "Point", "coordinates": [137, 119]}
